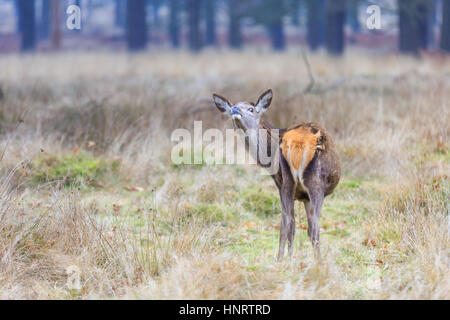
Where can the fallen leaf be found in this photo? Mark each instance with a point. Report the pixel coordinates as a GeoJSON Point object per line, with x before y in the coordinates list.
{"type": "Point", "coordinates": [379, 261]}
{"type": "Point", "coordinates": [373, 242]}
{"type": "Point", "coordinates": [303, 227]}
{"type": "Point", "coordinates": [99, 184]}
{"type": "Point", "coordinates": [134, 189]}
{"type": "Point", "coordinates": [250, 224]}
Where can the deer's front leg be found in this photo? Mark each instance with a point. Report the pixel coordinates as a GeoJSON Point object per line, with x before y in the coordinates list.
{"type": "Point", "coordinates": [287, 228]}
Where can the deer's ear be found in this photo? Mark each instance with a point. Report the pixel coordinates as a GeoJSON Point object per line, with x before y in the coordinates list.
{"type": "Point", "coordinates": [222, 104]}
{"type": "Point", "coordinates": [264, 101]}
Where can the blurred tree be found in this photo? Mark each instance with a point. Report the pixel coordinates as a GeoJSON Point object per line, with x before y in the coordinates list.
{"type": "Point", "coordinates": [432, 22]}
{"type": "Point", "coordinates": [315, 23]}
{"type": "Point", "coordinates": [235, 30]}
{"type": "Point", "coordinates": [193, 9]}
{"type": "Point", "coordinates": [44, 28]}
{"type": "Point", "coordinates": [174, 22]}
{"type": "Point", "coordinates": [210, 13]}
{"type": "Point", "coordinates": [156, 6]}
{"type": "Point", "coordinates": [335, 10]}
{"type": "Point", "coordinates": [295, 11]}
{"type": "Point", "coordinates": [27, 23]}
{"type": "Point", "coordinates": [17, 15]}
{"type": "Point", "coordinates": [136, 25]}
{"type": "Point", "coordinates": [55, 10]}
{"type": "Point", "coordinates": [413, 25]}
{"type": "Point", "coordinates": [119, 13]}
{"type": "Point", "coordinates": [352, 17]}
{"type": "Point", "coordinates": [445, 28]}
{"type": "Point", "coordinates": [270, 13]}
{"type": "Point", "coordinates": [78, 3]}
{"type": "Point", "coordinates": [276, 9]}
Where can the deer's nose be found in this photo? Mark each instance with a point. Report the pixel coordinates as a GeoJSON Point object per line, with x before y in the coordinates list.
{"type": "Point", "coordinates": [235, 110]}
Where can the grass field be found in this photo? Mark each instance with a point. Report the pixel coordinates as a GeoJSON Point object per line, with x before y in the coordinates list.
{"type": "Point", "coordinates": [88, 191]}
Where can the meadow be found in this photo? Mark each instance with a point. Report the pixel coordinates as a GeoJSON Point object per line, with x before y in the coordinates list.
{"type": "Point", "coordinates": [91, 205]}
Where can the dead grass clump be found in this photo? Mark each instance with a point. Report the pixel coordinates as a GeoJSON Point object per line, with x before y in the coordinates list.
{"type": "Point", "coordinates": [207, 276]}
{"type": "Point", "coordinates": [414, 221]}
{"type": "Point", "coordinates": [41, 245]}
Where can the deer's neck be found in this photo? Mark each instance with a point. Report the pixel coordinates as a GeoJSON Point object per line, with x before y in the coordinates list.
{"type": "Point", "coordinates": [263, 144]}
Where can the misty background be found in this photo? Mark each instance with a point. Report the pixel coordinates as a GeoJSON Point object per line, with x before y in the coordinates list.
{"type": "Point", "coordinates": [407, 26]}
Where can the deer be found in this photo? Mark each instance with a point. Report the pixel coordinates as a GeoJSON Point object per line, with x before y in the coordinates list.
{"type": "Point", "coordinates": [307, 164]}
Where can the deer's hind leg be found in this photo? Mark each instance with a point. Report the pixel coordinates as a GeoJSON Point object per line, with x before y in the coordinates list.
{"type": "Point", "coordinates": [287, 228]}
{"type": "Point", "coordinates": [316, 193]}
{"type": "Point", "coordinates": [313, 208]}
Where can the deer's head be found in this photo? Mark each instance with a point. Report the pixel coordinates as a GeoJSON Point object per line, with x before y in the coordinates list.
{"type": "Point", "coordinates": [245, 115]}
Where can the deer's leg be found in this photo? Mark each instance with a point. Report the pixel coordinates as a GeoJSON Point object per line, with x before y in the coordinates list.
{"type": "Point", "coordinates": [287, 228]}
{"type": "Point", "coordinates": [313, 208]}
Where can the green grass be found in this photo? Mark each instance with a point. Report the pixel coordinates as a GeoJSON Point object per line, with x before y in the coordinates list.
{"type": "Point", "coordinates": [261, 201]}
{"type": "Point", "coordinates": [76, 169]}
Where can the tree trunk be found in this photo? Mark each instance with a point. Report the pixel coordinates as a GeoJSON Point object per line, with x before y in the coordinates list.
{"type": "Point", "coordinates": [335, 26]}
{"type": "Point", "coordinates": [423, 12]}
{"type": "Point", "coordinates": [193, 8]}
{"type": "Point", "coordinates": [136, 25]}
{"type": "Point", "coordinates": [445, 28]}
{"type": "Point", "coordinates": [276, 31]}
{"type": "Point", "coordinates": [27, 23]}
{"type": "Point", "coordinates": [272, 13]}
{"type": "Point", "coordinates": [44, 29]}
{"type": "Point", "coordinates": [18, 16]}
{"type": "Point", "coordinates": [315, 23]}
{"type": "Point", "coordinates": [352, 17]}
{"type": "Point", "coordinates": [156, 6]}
{"type": "Point", "coordinates": [55, 23]}
{"type": "Point", "coordinates": [174, 23]}
{"type": "Point", "coordinates": [432, 21]}
{"type": "Point", "coordinates": [119, 13]}
{"type": "Point", "coordinates": [210, 13]}
{"type": "Point", "coordinates": [295, 12]}
{"type": "Point", "coordinates": [235, 32]}
{"type": "Point", "coordinates": [413, 25]}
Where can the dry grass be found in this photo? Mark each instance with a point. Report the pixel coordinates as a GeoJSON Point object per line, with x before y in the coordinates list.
{"type": "Point", "coordinates": [148, 229]}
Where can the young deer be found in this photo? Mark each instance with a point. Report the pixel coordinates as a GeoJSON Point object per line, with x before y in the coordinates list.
{"type": "Point", "coordinates": [307, 165]}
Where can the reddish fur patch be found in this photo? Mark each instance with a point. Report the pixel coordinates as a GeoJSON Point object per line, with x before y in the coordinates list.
{"type": "Point", "coordinates": [295, 143]}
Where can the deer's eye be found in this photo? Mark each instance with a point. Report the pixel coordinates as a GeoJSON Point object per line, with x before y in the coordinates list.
{"type": "Point", "coordinates": [250, 110]}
